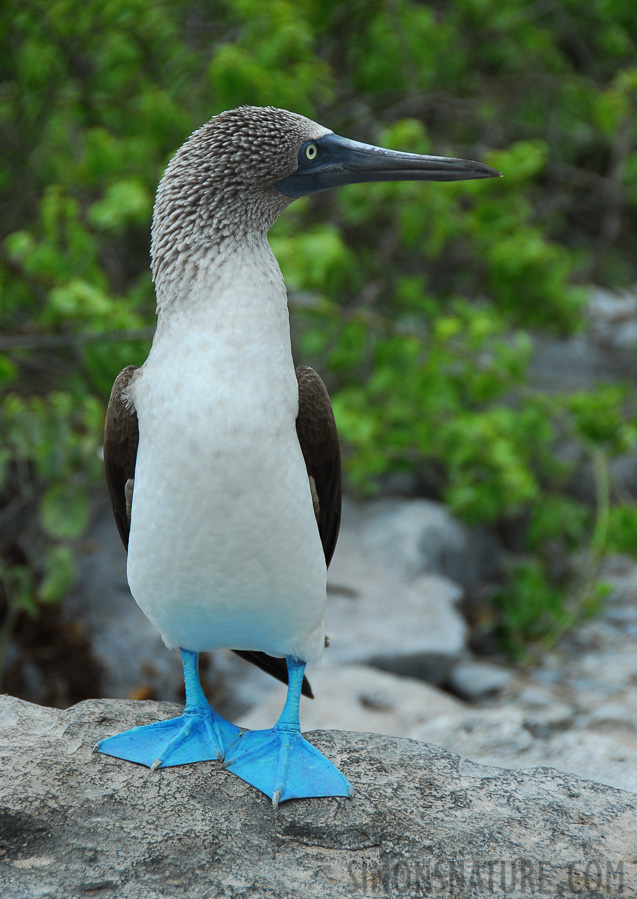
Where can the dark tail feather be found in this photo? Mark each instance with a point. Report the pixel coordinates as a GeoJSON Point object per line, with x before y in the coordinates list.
{"type": "Point", "coordinates": [276, 667]}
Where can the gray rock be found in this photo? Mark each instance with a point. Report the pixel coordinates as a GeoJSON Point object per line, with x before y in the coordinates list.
{"type": "Point", "coordinates": [377, 618]}
{"type": "Point", "coordinates": [545, 722]}
{"type": "Point", "coordinates": [533, 696]}
{"type": "Point", "coordinates": [613, 318]}
{"type": "Point", "coordinates": [508, 737]}
{"type": "Point", "coordinates": [475, 680]}
{"type": "Point", "coordinates": [605, 353]}
{"type": "Point", "coordinates": [575, 709]}
{"type": "Point", "coordinates": [411, 537]}
{"type": "Point", "coordinates": [422, 822]}
{"type": "Point", "coordinates": [574, 363]}
{"type": "Point", "coordinates": [359, 698]}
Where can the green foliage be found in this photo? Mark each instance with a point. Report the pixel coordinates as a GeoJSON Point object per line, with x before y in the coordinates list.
{"type": "Point", "coordinates": [420, 300]}
{"type": "Point", "coordinates": [622, 528]}
{"type": "Point", "coordinates": [48, 461]}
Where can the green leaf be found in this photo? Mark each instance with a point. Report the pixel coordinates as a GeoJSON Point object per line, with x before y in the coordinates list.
{"type": "Point", "coordinates": [126, 202]}
{"type": "Point", "coordinates": [64, 512]}
{"type": "Point", "coordinates": [59, 574]}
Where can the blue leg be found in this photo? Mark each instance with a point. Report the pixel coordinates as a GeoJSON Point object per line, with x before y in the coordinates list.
{"type": "Point", "coordinates": [279, 762]}
{"type": "Point", "coordinates": [200, 734]}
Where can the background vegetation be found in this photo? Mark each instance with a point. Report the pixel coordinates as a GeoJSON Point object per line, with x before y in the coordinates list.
{"type": "Point", "coordinates": [420, 304]}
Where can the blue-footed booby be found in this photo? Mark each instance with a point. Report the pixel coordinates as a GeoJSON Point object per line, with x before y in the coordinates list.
{"type": "Point", "coordinates": [222, 458]}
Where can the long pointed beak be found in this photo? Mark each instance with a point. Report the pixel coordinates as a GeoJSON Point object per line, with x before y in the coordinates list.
{"type": "Point", "coordinates": [333, 161]}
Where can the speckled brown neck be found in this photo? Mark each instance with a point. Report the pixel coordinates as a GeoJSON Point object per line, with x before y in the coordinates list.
{"type": "Point", "coordinates": [219, 189]}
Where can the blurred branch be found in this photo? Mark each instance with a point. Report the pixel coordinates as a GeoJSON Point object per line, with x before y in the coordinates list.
{"type": "Point", "coordinates": [614, 196]}
{"type": "Point", "coordinates": [11, 342]}
{"type": "Point", "coordinates": [582, 177]}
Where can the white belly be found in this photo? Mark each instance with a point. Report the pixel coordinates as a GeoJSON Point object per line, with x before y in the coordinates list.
{"type": "Point", "coordinates": [224, 547]}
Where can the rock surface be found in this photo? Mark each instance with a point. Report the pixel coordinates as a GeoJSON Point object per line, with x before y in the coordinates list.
{"type": "Point", "coordinates": [516, 739]}
{"type": "Point", "coordinates": [411, 537]}
{"type": "Point", "coordinates": [475, 680]}
{"type": "Point", "coordinates": [575, 710]}
{"type": "Point", "coordinates": [390, 605]}
{"type": "Point", "coordinates": [360, 698]}
{"type": "Point", "coordinates": [423, 822]}
{"type": "Point", "coordinates": [411, 629]}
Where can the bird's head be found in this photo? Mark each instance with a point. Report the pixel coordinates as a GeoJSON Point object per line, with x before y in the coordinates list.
{"type": "Point", "coordinates": [234, 176]}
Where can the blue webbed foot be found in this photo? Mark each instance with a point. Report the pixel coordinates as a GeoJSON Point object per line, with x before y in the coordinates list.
{"type": "Point", "coordinates": [192, 737]}
{"type": "Point", "coordinates": [200, 734]}
{"type": "Point", "coordinates": [283, 765]}
{"type": "Point", "coordinates": [279, 762]}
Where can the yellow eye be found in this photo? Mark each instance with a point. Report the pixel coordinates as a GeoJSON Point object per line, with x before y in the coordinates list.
{"type": "Point", "coordinates": [310, 151]}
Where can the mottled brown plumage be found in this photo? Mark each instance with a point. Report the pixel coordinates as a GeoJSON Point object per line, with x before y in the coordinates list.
{"type": "Point", "coordinates": [318, 438]}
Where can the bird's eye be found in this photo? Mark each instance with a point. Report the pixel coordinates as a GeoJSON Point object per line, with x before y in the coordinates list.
{"type": "Point", "coordinates": [310, 151]}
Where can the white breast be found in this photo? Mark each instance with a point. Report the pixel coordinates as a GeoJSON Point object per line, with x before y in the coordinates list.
{"type": "Point", "coordinates": [224, 547]}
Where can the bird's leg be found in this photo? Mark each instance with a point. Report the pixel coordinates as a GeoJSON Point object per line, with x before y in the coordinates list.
{"type": "Point", "coordinates": [198, 705]}
{"type": "Point", "coordinates": [279, 762]}
{"type": "Point", "coordinates": [198, 735]}
{"type": "Point", "coordinates": [288, 725]}
{"type": "Point", "coordinates": [289, 717]}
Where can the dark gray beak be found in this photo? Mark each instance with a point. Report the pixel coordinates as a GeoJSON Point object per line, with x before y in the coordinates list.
{"type": "Point", "coordinates": [332, 161]}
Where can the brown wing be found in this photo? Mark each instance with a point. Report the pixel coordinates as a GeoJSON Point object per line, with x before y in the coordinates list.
{"type": "Point", "coordinates": [316, 430]}
{"type": "Point", "coordinates": [121, 437]}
